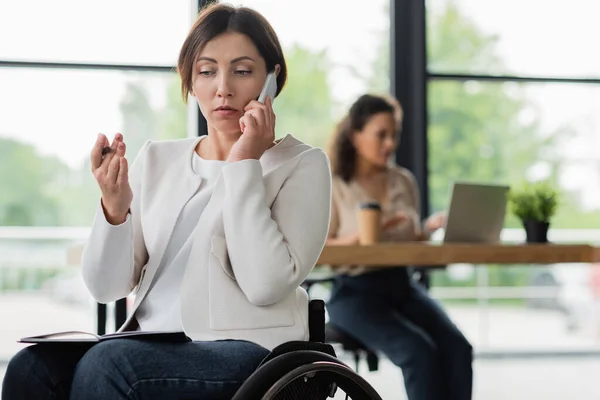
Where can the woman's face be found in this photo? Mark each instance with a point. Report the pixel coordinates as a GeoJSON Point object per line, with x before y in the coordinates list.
{"type": "Point", "coordinates": [229, 73]}
{"type": "Point", "coordinates": [376, 142]}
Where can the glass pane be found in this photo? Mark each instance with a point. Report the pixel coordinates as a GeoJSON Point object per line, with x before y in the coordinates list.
{"type": "Point", "coordinates": [330, 63]}
{"type": "Point", "coordinates": [529, 38]}
{"type": "Point", "coordinates": [50, 119]}
{"type": "Point", "coordinates": [112, 31]}
{"type": "Point", "coordinates": [510, 133]}
{"type": "Point", "coordinates": [507, 132]}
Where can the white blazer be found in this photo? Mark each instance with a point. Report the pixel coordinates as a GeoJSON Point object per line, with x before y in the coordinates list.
{"type": "Point", "coordinates": [261, 234]}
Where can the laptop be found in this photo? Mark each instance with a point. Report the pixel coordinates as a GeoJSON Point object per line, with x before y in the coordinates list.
{"type": "Point", "coordinates": [476, 213]}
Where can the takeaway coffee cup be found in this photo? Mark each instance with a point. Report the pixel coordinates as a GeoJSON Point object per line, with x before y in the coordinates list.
{"type": "Point", "coordinates": [369, 223]}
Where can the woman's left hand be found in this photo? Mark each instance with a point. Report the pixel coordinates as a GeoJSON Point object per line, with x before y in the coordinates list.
{"type": "Point", "coordinates": [258, 131]}
{"type": "Point", "coordinates": [435, 221]}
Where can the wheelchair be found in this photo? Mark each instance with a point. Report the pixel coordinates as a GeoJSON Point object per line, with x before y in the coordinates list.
{"type": "Point", "coordinates": [298, 370]}
{"type": "Point", "coordinates": [335, 334]}
{"type": "Point", "coordinates": [306, 370]}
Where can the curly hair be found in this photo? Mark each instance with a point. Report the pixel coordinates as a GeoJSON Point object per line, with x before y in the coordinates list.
{"type": "Point", "coordinates": [342, 152]}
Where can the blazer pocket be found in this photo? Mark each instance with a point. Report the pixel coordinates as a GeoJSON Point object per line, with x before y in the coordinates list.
{"type": "Point", "coordinates": [229, 309]}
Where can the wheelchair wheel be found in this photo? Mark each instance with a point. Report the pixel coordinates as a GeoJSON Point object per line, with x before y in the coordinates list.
{"type": "Point", "coordinates": [334, 375]}
{"type": "Point", "coordinates": [305, 375]}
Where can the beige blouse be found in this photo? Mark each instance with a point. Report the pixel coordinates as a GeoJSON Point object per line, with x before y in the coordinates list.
{"type": "Point", "coordinates": [403, 195]}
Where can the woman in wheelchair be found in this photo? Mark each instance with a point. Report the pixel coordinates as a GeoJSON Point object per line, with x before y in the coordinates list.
{"type": "Point", "coordinates": [385, 309]}
{"type": "Point", "coordinates": [214, 235]}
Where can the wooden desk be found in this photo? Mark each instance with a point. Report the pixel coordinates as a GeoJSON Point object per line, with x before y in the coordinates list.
{"type": "Point", "coordinates": [426, 254]}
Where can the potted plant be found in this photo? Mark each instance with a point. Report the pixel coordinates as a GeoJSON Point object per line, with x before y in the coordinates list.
{"type": "Point", "coordinates": [535, 205]}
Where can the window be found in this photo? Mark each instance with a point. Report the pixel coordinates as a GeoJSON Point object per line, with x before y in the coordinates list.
{"type": "Point", "coordinates": [54, 119]}
{"type": "Point", "coordinates": [524, 38]}
{"type": "Point", "coordinates": [51, 115]}
{"type": "Point", "coordinates": [510, 132]}
{"type": "Point", "coordinates": [335, 52]}
{"type": "Point", "coordinates": [513, 96]}
{"type": "Point", "coordinates": [108, 32]}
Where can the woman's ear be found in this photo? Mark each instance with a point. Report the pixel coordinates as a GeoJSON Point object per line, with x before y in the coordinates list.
{"type": "Point", "coordinates": [277, 70]}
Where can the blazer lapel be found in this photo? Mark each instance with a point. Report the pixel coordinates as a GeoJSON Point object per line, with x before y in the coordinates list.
{"type": "Point", "coordinates": [177, 188]}
{"type": "Point", "coordinates": [211, 222]}
{"type": "Point", "coordinates": [211, 218]}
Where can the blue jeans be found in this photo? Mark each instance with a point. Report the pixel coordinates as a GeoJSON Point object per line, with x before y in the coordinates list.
{"type": "Point", "coordinates": [131, 369]}
{"type": "Point", "coordinates": [390, 313]}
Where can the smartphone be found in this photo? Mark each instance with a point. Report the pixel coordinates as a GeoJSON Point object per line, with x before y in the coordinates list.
{"type": "Point", "coordinates": [270, 88]}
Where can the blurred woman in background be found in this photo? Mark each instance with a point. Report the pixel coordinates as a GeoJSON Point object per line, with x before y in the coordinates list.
{"type": "Point", "coordinates": [383, 307]}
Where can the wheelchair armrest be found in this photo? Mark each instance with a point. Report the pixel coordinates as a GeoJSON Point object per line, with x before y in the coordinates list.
{"type": "Point", "coordinates": [316, 321]}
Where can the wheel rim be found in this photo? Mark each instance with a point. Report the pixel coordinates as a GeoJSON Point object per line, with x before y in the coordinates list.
{"type": "Point", "coordinates": [339, 371]}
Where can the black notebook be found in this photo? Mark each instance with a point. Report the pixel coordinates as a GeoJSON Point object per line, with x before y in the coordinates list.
{"type": "Point", "coordinates": [85, 337]}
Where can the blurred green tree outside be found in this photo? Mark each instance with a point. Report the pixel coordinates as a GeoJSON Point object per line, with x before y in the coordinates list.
{"type": "Point", "coordinates": [476, 130]}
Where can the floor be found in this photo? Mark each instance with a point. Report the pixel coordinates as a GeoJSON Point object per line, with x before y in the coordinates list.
{"type": "Point", "coordinates": [574, 378]}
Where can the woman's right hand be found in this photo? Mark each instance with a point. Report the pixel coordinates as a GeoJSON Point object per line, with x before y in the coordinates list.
{"type": "Point", "coordinates": [350, 240]}
{"type": "Point", "coordinates": [111, 173]}
{"type": "Point", "coordinates": [390, 223]}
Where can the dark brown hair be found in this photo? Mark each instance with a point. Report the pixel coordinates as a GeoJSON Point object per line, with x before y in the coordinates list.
{"type": "Point", "coordinates": [216, 19]}
{"type": "Point", "coordinates": [342, 152]}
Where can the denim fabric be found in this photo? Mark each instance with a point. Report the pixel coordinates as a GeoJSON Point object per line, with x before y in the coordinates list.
{"type": "Point", "coordinates": [390, 313]}
{"type": "Point", "coordinates": [131, 369]}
